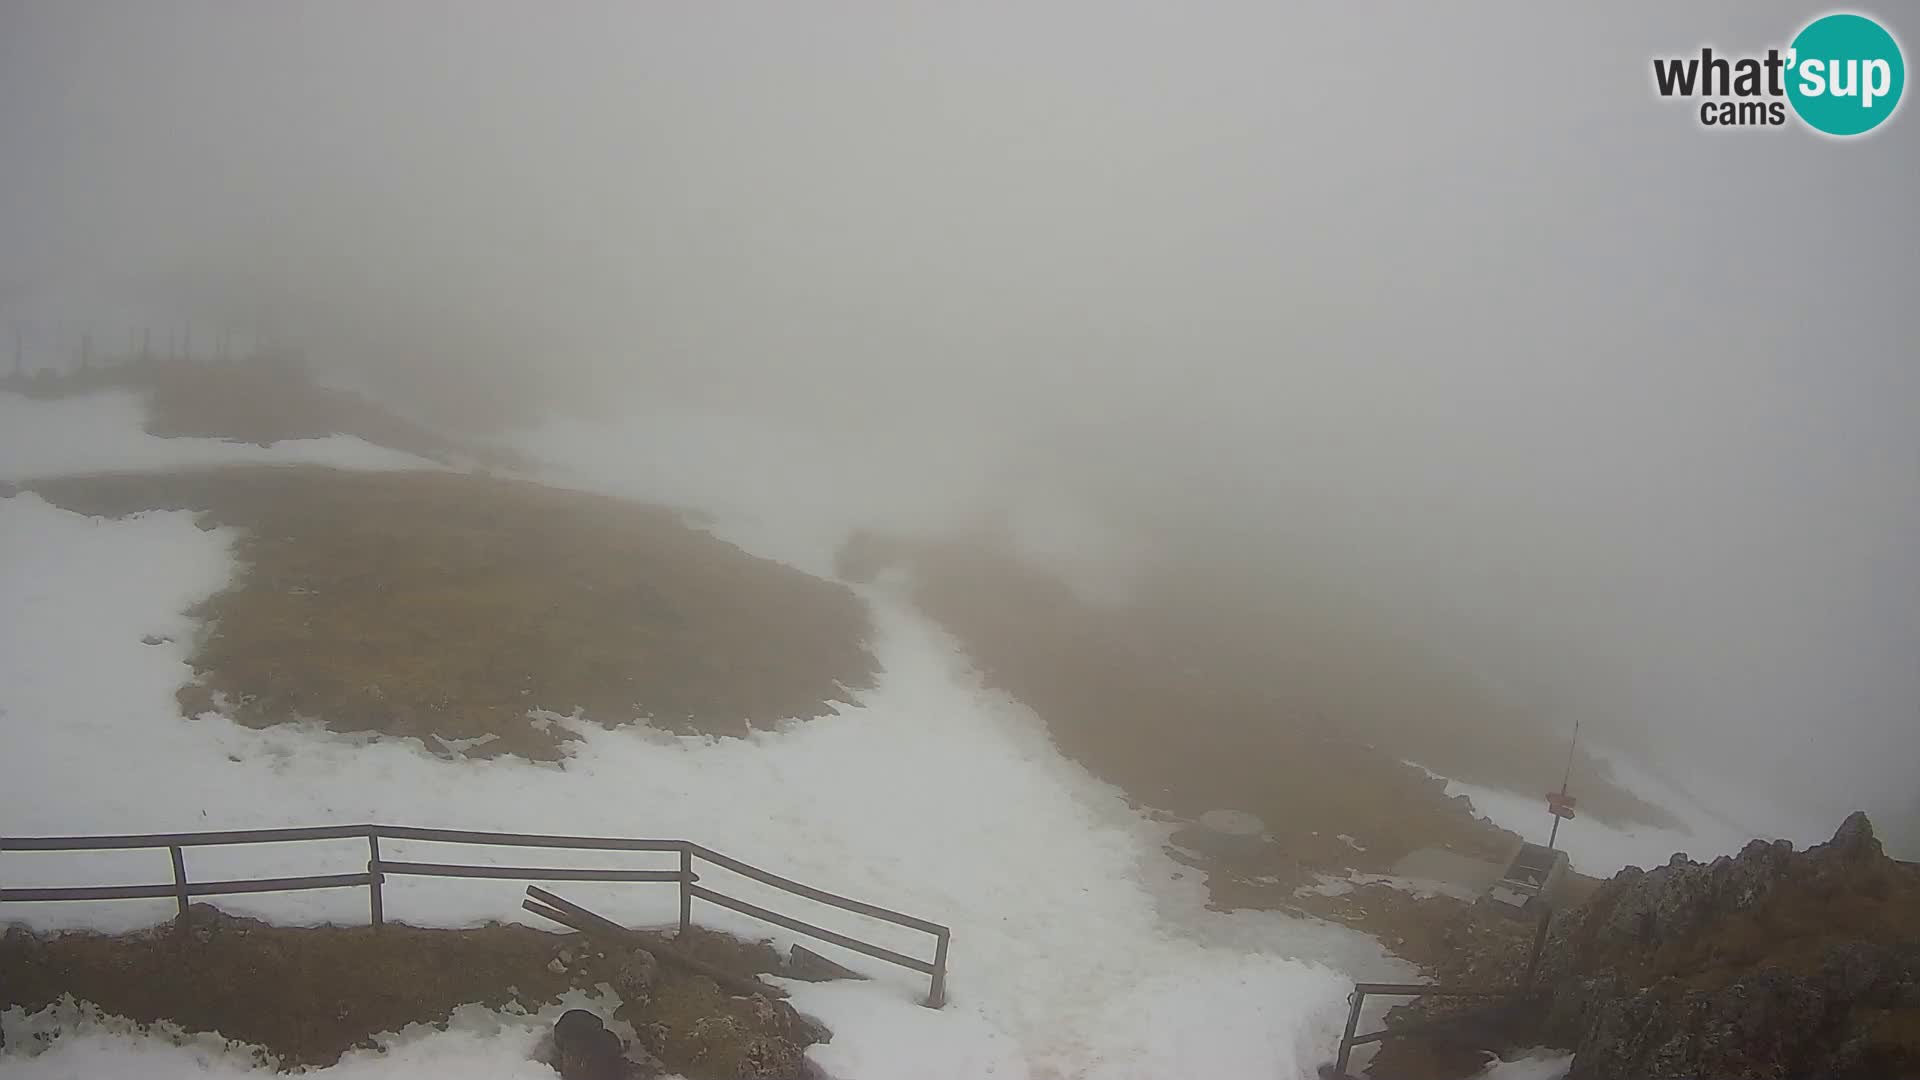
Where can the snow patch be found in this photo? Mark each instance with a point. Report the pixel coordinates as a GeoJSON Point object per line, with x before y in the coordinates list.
{"type": "Point", "coordinates": [75, 1041]}
{"type": "Point", "coordinates": [106, 432]}
{"type": "Point", "coordinates": [1601, 848]}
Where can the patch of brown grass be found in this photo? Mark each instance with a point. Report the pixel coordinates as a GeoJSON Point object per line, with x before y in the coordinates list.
{"type": "Point", "coordinates": [439, 604]}
{"type": "Point", "coordinates": [309, 994]}
{"type": "Point", "coordinates": [254, 402]}
{"type": "Point", "coordinates": [1116, 693]}
{"type": "Point", "coordinates": [306, 994]}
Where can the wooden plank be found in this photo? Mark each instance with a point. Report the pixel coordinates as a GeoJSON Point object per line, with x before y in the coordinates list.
{"type": "Point", "coordinates": [811, 893]}
{"type": "Point", "coordinates": [466, 836]}
{"type": "Point", "coordinates": [90, 892]}
{"type": "Point", "coordinates": [608, 931]}
{"type": "Point", "coordinates": [524, 873]}
{"type": "Point", "coordinates": [822, 933]}
{"type": "Point", "coordinates": [285, 884]}
{"type": "Point", "coordinates": [201, 839]}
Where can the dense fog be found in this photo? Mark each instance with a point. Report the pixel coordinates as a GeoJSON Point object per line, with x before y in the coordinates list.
{"type": "Point", "coordinates": [1442, 313]}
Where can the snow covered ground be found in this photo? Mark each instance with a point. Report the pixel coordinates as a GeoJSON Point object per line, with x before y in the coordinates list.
{"type": "Point", "coordinates": [1538, 1065]}
{"type": "Point", "coordinates": [1601, 848]}
{"type": "Point", "coordinates": [1079, 949]}
{"type": "Point", "coordinates": [105, 432]}
{"type": "Point", "coordinates": [81, 1044]}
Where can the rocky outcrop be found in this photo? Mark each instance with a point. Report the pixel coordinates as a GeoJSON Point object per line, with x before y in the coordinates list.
{"type": "Point", "coordinates": [1767, 965]}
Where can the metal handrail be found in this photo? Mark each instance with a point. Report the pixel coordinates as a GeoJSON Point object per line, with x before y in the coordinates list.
{"type": "Point", "coordinates": [1349, 1040]}
{"type": "Point", "coordinates": [183, 890]}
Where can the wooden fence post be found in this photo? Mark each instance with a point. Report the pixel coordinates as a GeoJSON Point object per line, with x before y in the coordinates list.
{"type": "Point", "coordinates": [937, 995]}
{"type": "Point", "coordinates": [179, 880]}
{"type": "Point", "coordinates": [686, 886]}
{"type": "Point", "coordinates": [375, 902]}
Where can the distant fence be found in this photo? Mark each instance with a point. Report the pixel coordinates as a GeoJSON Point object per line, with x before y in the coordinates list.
{"type": "Point", "coordinates": [183, 890]}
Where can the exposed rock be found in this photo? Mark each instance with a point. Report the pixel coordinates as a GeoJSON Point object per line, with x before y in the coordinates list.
{"type": "Point", "coordinates": [638, 972]}
{"type": "Point", "coordinates": [771, 1059]}
{"type": "Point", "coordinates": [803, 963]}
{"type": "Point", "coordinates": [1767, 965]}
{"type": "Point", "coordinates": [583, 1049]}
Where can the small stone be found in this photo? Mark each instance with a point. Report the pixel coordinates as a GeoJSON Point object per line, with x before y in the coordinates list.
{"type": "Point", "coordinates": [804, 963]}
{"type": "Point", "coordinates": [554, 965]}
{"type": "Point", "coordinates": [639, 970]}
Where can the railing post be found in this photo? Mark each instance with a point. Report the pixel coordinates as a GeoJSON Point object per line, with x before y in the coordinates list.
{"type": "Point", "coordinates": [686, 886]}
{"type": "Point", "coordinates": [375, 902]}
{"type": "Point", "coordinates": [1346, 1040]}
{"type": "Point", "coordinates": [937, 994]}
{"type": "Point", "coordinates": [179, 880]}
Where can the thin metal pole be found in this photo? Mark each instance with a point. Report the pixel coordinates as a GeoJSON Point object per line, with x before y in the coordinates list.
{"type": "Point", "coordinates": [686, 887]}
{"type": "Point", "coordinates": [937, 994]}
{"type": "Point", "coordinates": [1539, 943]}
{"type": "Point", "coordinates": [375, 902]}
{"type": "Point", "coordinates": [1346, 1041]}
{"type": "Point", "coordinates": [179, 880]}
{"type": "Point", "coordinates": [1565, 778]}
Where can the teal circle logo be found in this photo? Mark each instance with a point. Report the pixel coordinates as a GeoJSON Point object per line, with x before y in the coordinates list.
{"type": "Point", "coordinates": [1845, 74]}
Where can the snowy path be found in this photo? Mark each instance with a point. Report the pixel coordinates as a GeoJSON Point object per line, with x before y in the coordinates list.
{"type": "Point", "coordinates": [1079, 949]}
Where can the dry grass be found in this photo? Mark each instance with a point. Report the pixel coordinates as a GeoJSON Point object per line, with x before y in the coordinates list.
{"type": "Point", "coordinates": [439, 604]}
{"type": "Point", "coordinates": [309, 994]}
{"type": "Point", "coordinates": [1195, 658]}
{"type": "Point", "coordinates": [254, 402]}
{"type": "Point", "coordinates": [1115, 692]}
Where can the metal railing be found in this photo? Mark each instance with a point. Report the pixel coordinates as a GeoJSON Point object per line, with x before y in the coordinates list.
{"type": "Point", "coordinates": [183, 890]}
{"type": "Point", "coordinates": [1360, 991]}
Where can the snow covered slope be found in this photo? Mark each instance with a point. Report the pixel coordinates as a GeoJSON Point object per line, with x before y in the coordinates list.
{"type": "Point", "coordinates": [1079, 949]}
